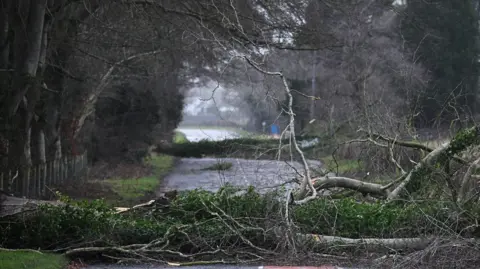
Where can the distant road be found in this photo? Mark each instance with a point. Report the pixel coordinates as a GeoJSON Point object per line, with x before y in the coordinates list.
{"type": "Point", "coordinates": [197, 134]}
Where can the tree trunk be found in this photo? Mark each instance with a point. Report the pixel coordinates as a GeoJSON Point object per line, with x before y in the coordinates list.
{"type": "Point", "coordinates": [38, 143]}
{"type": "Point", "coordinates": [62, 38]}
{"type": "Point", "coordinates": [23, 95]}
{"type": "Point", "coordinates": [4, 42]}
{"type": "Point", "coordinates": [28, 59]}
{"type": "Point", "coordinates": [42, 156]}
{"type": "Point", "coordinates": [39, 134]}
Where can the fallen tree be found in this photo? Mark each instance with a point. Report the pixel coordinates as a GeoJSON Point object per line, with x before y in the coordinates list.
{"type": "Point", "coordinates": [439, 158]}
{"type": "Point", "coordinates": [395, 244]}
{"type": "Point", "coordinates": [201, 227]}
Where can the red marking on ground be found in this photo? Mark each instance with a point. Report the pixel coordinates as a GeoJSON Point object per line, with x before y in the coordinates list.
{"type": "Point", "coordinates": [300, 267]}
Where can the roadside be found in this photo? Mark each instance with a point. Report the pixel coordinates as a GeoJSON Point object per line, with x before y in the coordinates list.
{"type": "Point", "coordinates": [31, 259]}
{"type": "Point", "coordinates": [202, 220]}
{"type": "Point", "coordinates": [123, 184]}
{"type": "Point", "coordinates": [179, 137]}
{"type": "Point", "coordinates": [126, 184]}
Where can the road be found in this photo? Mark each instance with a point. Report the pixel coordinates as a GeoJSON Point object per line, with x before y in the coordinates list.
{"type": "Point", "coordinates": [191, 173]}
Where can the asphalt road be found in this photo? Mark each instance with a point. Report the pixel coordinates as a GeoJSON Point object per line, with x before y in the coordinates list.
{"type": "Point", "coordinates": [190, 173]}
{"type": "Point", "coordinates": [193, 173]}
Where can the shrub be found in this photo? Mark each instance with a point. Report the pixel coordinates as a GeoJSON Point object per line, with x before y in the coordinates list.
{"type": "Point", "coordinates": [351, 218]}
{"type": "Point", "coordinates": [203, 219]}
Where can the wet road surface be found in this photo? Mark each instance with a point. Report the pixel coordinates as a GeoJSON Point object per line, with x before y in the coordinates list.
{"type": "Point", "coordinates": [193, 173]}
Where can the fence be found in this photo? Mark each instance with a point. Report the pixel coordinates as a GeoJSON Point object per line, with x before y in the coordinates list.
{"type": "Point", "coordinates": [35, 181]}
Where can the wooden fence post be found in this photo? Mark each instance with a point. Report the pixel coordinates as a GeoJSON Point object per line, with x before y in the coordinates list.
{"type": "Point", "coordinates": [33, 181]}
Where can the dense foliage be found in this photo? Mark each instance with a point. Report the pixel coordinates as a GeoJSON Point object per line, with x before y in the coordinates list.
{"type": "Point", "coordinates": [203, 219]}
{"type": "Point", "coordinates": [444, 36]}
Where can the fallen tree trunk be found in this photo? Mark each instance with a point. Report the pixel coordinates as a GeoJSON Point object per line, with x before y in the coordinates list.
{"type": "Point", "coordinates": [440, 155]}
{"type": "Point", "coordinates": [14, 205]}
{"type": "Point", "coordinates": [420, 165]}
{"type": "Point", "coordinates": [413, 243]}
{"type": "Point", "coordinates": [349, 183]}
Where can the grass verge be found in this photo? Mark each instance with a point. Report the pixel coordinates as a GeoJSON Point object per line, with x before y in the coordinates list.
{"type": "Point", "coordinates": [342, 166]}
{"type": "Point", "coordinates": [220, 166]}
{"type": "Point", "coordinates": [19, 259]}
{"type": "Point", "coordinates": [123, 184]}
{"type": "Point", "coordinates": [179, 138]}
{"type": "Point", "coordinates": [133, 190]}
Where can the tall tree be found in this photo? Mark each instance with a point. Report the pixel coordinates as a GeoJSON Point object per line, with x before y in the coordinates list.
{"type": "Point", "coordinates": [444, 36]}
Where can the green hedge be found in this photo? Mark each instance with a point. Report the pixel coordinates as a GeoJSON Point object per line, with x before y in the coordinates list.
{"type": "Point", "coordinates": [95, 223]}
{"type": "Point", "coordinates": [350, 218]}
{"type": "Point", "coordinates": [228, 147]}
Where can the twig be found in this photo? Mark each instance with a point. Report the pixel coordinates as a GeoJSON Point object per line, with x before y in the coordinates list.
{"type": "Point", "coordinates": [307, 178]}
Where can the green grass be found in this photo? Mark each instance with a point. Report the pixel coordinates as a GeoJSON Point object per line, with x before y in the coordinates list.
{"type": "Point", "coordinates": [342, 166]}
{"type": "Point", "coordinates": [19, 259]}
{"type": "Point", "coordinates": [132, 189]}
{"type": "Point", "coordinates": [220, 166]}
{"type": "Point", "coordinates": [179, 138]}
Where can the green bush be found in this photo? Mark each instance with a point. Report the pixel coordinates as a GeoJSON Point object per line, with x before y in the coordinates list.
{"type": "Point", "coordinates": [58, 226]}
{"type": "Point", "coordinates": [242, 147]}
{"type": "Point", "coordinates": [350, 218]}
{"type": "Point", "coordinates": [192, 219]}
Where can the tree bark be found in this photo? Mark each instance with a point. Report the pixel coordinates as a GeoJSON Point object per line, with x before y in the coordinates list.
{"type": "Point", "coordinates": [467, 185]}
{"type": "Point", "coordinates": [415, 243]}
{"type": "Point", "coordinates": [5, 16]}
{"type": "Point", "coordinates": [27, 70]}
{"type": "Point", "coordinates": [350, 183]}
{"type": "Point", "coordinates": [88, 106]}
{"type": "Point", "coordinates": [62, 36]}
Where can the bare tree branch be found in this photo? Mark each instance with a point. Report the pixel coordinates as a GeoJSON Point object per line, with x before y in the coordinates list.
{"type": "Point", "coordinates": [90, 101]}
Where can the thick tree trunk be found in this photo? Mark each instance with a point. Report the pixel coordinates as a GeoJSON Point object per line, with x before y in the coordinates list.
{"type": "Point", "coordinates": [38, 143]}
{"type": "Point", "coordinates": [28, 59]}
{"type": "Point", "coordinates": [415, 243]}
{"type": "Point", "coordinates": [22, 98]}
{"type": "Point", "coordinates": [40, 147]}
{"type": "Point", "coordinates": [4, 42]}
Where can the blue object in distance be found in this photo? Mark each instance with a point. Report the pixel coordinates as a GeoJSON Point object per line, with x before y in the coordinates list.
{"type": "Point", "coordinates": [274, 129]}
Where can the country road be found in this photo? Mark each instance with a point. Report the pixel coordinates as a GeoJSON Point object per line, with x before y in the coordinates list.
{"type": "Point", "coordinates": [192, 173]}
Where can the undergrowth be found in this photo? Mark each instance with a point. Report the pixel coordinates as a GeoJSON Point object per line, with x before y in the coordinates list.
{"type": "Point", "coordinates": [220, 166]}
{"type": "Point", "coordinates": [197, 220]}
{"type": "Point", "coordinates": [27, 259]}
